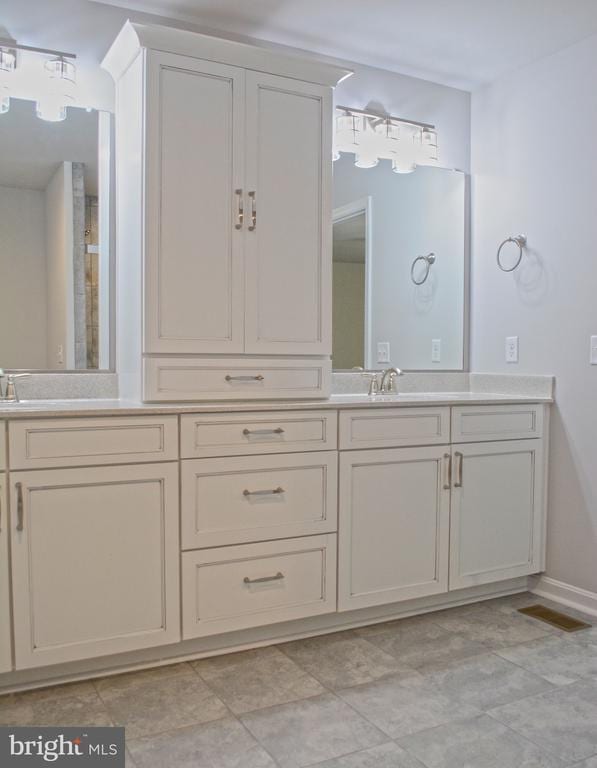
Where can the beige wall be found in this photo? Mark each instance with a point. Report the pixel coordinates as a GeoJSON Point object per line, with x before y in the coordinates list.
{"type": "Point", "coordinates": [534, 162]}
{"type": "Point", "coordinates": [348, 343]}
{"type": "Point", "coordinates": [22, 279]}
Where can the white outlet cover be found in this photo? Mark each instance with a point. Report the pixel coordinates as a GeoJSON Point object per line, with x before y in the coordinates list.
{"type": "Point", "coordinates": [512, 349]}
{"type": "Point", "coordinates": [593, 358]}
{"type": "Point", "coordinates": [436, 350]}
{"type": "Point", "coordinates": [383, 351]}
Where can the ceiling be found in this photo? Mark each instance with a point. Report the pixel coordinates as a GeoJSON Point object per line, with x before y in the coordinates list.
{"type": "Point", "coordinates": [462, 43]}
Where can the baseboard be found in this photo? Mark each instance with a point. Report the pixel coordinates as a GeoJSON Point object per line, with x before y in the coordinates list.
{"type": "Point", "coordinates": [566, 594]}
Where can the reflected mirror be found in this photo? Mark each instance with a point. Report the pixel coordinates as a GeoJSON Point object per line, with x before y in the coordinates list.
{"type": "Point", "coordinates": [399, 261]}
{"type": "Point", "coordinates": [54, 240]}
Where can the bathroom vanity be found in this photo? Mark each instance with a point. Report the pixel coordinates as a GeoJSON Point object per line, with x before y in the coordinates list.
{"type": "Point", "coordinates": [140, 533]}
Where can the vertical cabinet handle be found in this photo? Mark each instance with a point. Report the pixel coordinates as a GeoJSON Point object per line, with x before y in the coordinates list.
{"type": "Point", "coordinates": [459, 458]}
{"type": "Point", "coordinates": [447, 471]}
{"type": "Point", "coordinates": [240, 216]}
{"type": "Point", "coordinates": [19, 487]}
{"type": "Point", "coordinates": [253, 224]}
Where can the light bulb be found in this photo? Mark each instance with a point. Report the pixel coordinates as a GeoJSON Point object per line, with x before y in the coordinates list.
{"type": "Point", "coordinates": [60, 90]}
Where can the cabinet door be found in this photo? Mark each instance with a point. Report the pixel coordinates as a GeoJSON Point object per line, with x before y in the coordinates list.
{"type": "Point", "coordinates": [95, 559]}
{"type": "Point", "coordinates": [497, 512]}
{"type": "Point", "coordinates": [288, 235]}
{"type": "Point", "coordinates": [194, 263]}
{"type": "Point", "coordinates": [394, 520]}
{"type": "Point", "coordinates": [5, 623]}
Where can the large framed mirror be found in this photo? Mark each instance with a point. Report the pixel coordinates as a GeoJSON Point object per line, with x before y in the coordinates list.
{"type": "Point", "coordinates": [400, 265]}
{"type": "Point", "coordinates": [55, 238]}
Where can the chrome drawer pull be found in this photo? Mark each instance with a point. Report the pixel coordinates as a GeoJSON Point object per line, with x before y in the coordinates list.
{"type": "Point", "coordinates": [263, 579]}
{"type": "Point", "coordinates": [19, 487]}
{"type": "Point", "coordinates": [459, 458]}
{"type": "Point", "coordinates": [278, 431]}
{"type": "Point", "coordinates": [268, 492]}
{"type": "Point", "coordinates": [259, 377]}
{"type": "Point", "coordinates": [241, 214]}
{"type": "Point", "coordinates": [447, 471]}
{"type": "Point", "coordinates": [253, 225]}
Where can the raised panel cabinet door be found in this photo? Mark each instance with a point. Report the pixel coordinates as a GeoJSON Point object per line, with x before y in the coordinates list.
{"type": "Point", "coordinates": [5, 622]}
{"type": "Point", "coordinates": [497, 513]}
{"type": "Point", "coordinates": [194, 259]}
{"type": "Point", "coordinates": [393, 526]}
{"type": "Point", "coordinates": [95, 561]}
{"type": "Point", "coordinates": [288, 216]}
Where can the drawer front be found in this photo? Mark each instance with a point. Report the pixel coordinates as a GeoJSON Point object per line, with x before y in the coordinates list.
{"type": "Point", "coordinates": [237, 500]}
{"type": "Point", "coordinates": [79, 442]}
{"type": "Point", "coordinates": [472, 424]}
{"type": "Point", "coordinates": [233, 588]}
{"type": "Point", "coordinates": [167, 378]}
{"type": "Point", "coordinates": [250, 433]}
{"type": "Point", "coordinates": [394, 427]}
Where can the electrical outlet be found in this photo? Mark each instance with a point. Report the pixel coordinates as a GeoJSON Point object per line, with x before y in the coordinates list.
{"type": "Point", "coordinates": [593, 350]}
{"type": "Point", "coordinates": [512, 349]}
{"type": "Point", "coordinates": [60, 354]}
{"type": "Point", "coordinates": [383, 351]}
{"type": "Point", "coordinates": [436, 350]}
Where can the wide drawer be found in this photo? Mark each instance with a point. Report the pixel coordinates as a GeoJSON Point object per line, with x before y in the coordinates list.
{"type": "Point", "coordinates": [79, 442]}
{"type": "Point", "coordinates": [233, 588]}
{"type": "Point", "coordinates": [394, 427]}
{"type": "Point", "coordinates": [471, 424]}
{"type": "Point", "coordinates": [237, 500]}
{"type": "Point", "coordinates": [171, 378]}
{"type": "Point", "coordinates": [249, 433]}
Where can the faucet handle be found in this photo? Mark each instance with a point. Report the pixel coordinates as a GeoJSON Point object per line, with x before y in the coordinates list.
{"type": "Point", "coordinates": [373, 384]}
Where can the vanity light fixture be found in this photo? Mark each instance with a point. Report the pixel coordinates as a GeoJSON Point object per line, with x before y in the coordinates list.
{"type": "Point", "coordinates": [60, 79]}
{"type": "Point", "coordinates": [373, 136]}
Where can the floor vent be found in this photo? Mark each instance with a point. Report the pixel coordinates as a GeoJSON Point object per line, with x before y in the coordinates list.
{"type": "Point", "coordinates": [555, 618]}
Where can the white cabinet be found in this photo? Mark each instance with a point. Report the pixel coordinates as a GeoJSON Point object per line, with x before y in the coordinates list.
{"type": "Point", "coordinates": [497, 513]}
{"type": "Point", "coordinates": [393, 525]}
{"type": "Point", "coordinates": [288, 178]}
{"type": "Point", "coordinates": [5, 623]}
{"type": "Point", "coordinates": [95, 561]}
{"type": "Point", "coordinates": [224, 164]}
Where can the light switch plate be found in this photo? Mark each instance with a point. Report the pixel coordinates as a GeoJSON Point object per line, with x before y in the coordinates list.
{"type": "Point", "coordinates": [436, 350]}
{"type": "Point", "coordinates": [383, 351]}
{"type": "Point", "coordinates": [593, 350]}
{"type": "Point", "coordinates": [512, 349]}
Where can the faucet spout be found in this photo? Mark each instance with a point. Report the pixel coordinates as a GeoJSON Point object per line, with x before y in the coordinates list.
{"type": "Point", "coordinates": [388, 380]}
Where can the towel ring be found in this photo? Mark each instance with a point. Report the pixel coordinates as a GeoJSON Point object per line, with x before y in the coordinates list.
{"type": "Point", "coordinates": [520, 241]}
{"type": "Point", "coordinates": [429, 260]}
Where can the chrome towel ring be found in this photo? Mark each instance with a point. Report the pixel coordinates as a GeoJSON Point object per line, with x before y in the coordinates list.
{"type": "Point", "coordinates": [429, 260]}
{"type": "Point", "coordinates": [520, 241]}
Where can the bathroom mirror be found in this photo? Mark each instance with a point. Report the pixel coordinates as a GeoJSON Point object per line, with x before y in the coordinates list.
{"type": "Point", "coordinates": [399, 267]}
{"type": "Point", "coordinates": [54, 240]}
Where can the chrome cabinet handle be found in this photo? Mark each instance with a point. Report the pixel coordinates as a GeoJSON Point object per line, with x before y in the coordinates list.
{"type": "Point", "coordinates": [240, 216]}
{"type": "Point", "coordinates": [447, 471]}
{"type": "Point", "coordinates": [253, 224]}
{"type": "Point", "coordinates": [263, 579]}
{"type": "Point", "coordinates": [259, 377]}
{"type": "Point", "coordinates": [459, 458]}
{"type": "Point", "coordinates": [266, 492]}
{"type": "Point", "coordinates": [277, 431]}
{"type": "Point", "coordinates": [20, 515]}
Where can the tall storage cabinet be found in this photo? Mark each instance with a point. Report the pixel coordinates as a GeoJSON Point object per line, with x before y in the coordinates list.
{"type": "Point", "coordinates": [5, 634]}
{"type": "Point", "coordinates": [224, 238]}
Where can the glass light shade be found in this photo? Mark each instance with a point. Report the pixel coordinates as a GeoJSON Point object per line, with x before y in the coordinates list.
{"type": "Point", "coordinates": [348, 128]}
{"type": "Point", "coordinates": [4, 103]}
{"type": "Point", "coordinates": [59, 92]}
{"type": "Point", "coordinates": [8, 60]}
{"type": "Point", "coordinates": [8, 63]}
{"type": "Point", "coordinates": [401, 165]}
{"type": "Point", "coordinates": [366, 160]}
{"type": "Point", "coordinates": [429, 144]}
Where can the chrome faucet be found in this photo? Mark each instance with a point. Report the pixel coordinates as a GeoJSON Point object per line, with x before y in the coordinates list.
{"type": "Point", "coordinates": [10, 394]}
{"type": "Point", "coordinates": [388, 378]}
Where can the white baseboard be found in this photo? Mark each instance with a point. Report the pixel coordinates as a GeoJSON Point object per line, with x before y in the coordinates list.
{"type": "Point", "coordinates": [566, 594]}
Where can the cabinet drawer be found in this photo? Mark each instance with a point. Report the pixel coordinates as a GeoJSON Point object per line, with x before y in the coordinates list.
{"type": "Point", "coordinates": [78, 442]}
{"type": "Point", "coordinates": [471, 424]}
{"type": "Point", "coordinates": [237, 500]}
{"type": "Point", "coordinates": [233, 588]}
{"type": "Point", "coordinates": [394, 427]}
{"type": "Point", "coordinates": [171, 378]}
{"type": "Point", "coordinates": [249, 433]}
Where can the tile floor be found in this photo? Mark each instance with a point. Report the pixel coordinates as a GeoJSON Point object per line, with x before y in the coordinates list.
{"type": "Point", "coordinates": [474, 687]}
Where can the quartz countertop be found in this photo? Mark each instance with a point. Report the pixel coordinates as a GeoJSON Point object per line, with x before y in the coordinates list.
{"type": "Point", "coordinates": [112, 407]}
